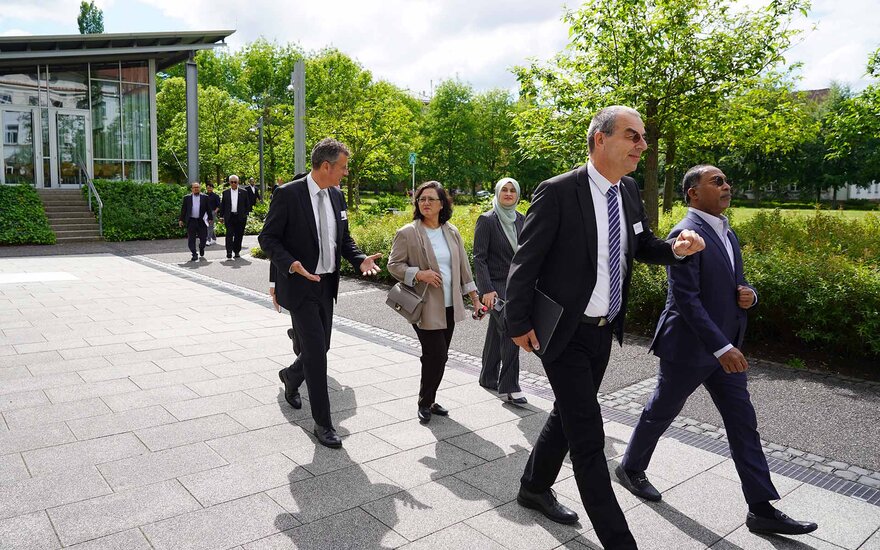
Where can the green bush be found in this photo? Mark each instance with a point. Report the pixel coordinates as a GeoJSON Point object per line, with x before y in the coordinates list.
{"type": "Point", "coordinates": [140, 211]}
{"type": "Point", "coordinates": [818, 277]}
{"type": "Point", "coordinates": [23, 221]}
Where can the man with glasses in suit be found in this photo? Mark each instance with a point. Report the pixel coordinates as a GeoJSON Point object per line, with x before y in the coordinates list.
{"type": "Point", "coordinates": [698, 340]}
{"type": "Point", "coordinates": [577, 245]}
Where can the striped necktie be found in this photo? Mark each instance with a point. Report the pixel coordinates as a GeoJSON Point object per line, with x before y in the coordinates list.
{"type": "Point", "coordinates": [614, 297]}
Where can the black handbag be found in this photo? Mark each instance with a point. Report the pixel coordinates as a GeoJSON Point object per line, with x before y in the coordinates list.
{"type": "Point", "coordinates": [406, 301]}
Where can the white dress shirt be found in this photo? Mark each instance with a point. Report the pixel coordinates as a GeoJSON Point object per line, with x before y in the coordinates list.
{"type": "Point", "coordinates": [331, 220]}
{"type": "Point", "coordinates": [233, 197]}
{"type": "Point", "coordinates": [599, 186]}
{"type": "Point", "coordinates": [196, 202]}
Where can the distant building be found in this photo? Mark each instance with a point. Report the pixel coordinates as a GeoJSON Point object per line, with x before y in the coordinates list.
{"type": "Point", "coordinates": [75, 104]}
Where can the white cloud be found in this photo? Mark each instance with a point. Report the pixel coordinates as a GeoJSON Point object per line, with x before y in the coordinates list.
{"type": "Point", "coordinates": [410, 43]}
{"type": "Point", "coordinates": [417, 43]}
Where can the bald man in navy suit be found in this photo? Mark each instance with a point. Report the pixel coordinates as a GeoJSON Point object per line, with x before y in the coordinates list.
{"type": "Point", "coordinates": [697, 340]}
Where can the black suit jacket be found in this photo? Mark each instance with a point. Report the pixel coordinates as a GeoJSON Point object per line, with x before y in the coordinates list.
{"type": "Point", "coordinates": [558, 249]}
{"type": "Point", "coordinates": [254, 194]}
{"type": "Point", "coordinates": [290, 234]}
{"type": "Point", "coordinates": [243, 206]}
{"type": "Point", "coordinates": [493, 253]}
{"type": "Point", "coordinates": [204, 208]}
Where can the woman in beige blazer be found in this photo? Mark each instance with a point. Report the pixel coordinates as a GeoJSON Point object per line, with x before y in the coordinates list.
{"type": "Point", "coordinates": [428, 254]}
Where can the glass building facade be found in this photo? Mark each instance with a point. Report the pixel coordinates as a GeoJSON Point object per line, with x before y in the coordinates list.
{"type": "Point", "coordinates": [60, 120]}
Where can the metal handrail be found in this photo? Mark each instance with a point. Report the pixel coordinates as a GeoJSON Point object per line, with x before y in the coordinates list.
{"type": "Point", "coordinates": [100, 203]}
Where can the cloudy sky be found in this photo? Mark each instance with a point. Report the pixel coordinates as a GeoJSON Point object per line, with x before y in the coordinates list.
{"type": "Point", "coordinates": [417, 43]}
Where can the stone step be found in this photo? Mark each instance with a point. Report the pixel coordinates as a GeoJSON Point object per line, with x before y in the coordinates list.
{"type": "Point", "coordinates": [54, 209]}
{"type": "Point", "coordinates": [61, 216]}
{"type": "Point", "coordinates": [74, 226]}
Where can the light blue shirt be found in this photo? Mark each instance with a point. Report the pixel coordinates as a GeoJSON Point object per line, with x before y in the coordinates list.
{"type": "Point", "coordinates": [444, 258]}
{"type": "Point", "coordinates": [195, 206]}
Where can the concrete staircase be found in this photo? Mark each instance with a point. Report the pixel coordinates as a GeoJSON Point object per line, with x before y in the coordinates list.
{"type": "Point", "coordinates": [69, 215]}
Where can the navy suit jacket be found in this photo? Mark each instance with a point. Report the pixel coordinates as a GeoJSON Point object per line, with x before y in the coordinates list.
{"type": "Point", "coordinates": [557, 254]}
{"type": "Point", "coordinates": [290, 234]}
{"type": "Point", "coordinates": [701, 314]}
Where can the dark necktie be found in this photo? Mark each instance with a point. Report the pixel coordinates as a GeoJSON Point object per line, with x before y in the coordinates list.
{"type": "Point", "coordinates": [613, 253]}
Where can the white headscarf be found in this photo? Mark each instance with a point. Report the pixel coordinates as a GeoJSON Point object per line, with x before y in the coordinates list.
{"type": "Point", "coordinates": [507, 214]}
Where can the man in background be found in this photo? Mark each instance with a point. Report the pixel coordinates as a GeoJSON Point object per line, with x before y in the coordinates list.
{"type": "Point", "coordinates": [193, 213]}
{"type": "Point", "coordinates": [234, 208]}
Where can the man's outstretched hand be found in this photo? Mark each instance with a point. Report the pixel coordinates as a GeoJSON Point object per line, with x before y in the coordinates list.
{"type": "Point", "coordinates": [369, 266]}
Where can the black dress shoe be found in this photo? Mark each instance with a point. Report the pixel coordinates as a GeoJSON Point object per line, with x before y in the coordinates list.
{"type": "Point", "coordinates": [291, 395]}
{"type": "Point", "coordinates": [547, 504]}
{"type": "Point", "coordinates": [237, 255]}
{"type": "Point", "coordinates": [202, 253]}
{"type": "Point", "coordinates": [229, 256]}
{"type": "Point", "coordinates": [439, 410]}
{"type": "Point", "coordinates": [292, 335]}
{"type": "Point", "coordinates": [424, 415]}
{"type": "Point", "coordinates": [194, 258]}
{"type": "Point", "coordinates": [327, 437]}
{"type": "Point", "coordinates": [780, 525]}
{"type": "Point", "coordinates": [637, 483]}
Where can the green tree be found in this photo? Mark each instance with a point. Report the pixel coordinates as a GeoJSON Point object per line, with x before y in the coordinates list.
{"type": "Point", "coordinates": [449, 133]}
{"type": "Point", "coordinates": [674, 60]}
{"type": "Point", "coordinates": [495, 143]}
{"type": "Point", "coordinates": [90, 19]}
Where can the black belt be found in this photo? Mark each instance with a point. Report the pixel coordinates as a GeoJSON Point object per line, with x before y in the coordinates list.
{"type": "Point", "coordinates": [597, 321]}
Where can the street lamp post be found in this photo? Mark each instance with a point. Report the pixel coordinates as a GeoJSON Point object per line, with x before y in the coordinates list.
{"type": "Point", "coordinates": [262, 180]}
{"type": "Point", "coordinates": [259, 130]}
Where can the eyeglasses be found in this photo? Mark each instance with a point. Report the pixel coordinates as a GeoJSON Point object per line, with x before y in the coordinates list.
{"type": "Point", "coordinates": [719, 181]}
{"type": "Point", "coordinates": [424, 200]}
{"type": "Point", "coordinates": [634, 136]}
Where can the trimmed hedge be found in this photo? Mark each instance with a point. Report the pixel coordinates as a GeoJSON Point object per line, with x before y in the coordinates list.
{"type": "Point", "coordinates": [140, 211]}
{"type": "Point", "coordinates": [23, 221]}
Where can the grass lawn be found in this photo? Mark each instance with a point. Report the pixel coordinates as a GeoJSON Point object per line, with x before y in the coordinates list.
{"type": "Point", "coordinates": [741, 213]}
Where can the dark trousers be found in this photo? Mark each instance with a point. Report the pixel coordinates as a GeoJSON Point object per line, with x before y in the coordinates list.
{"type": "Point", "coordinates": [575, 426]}
{"type": "Point", "coordinates": [195, 227]}
{"type": "Point", "coordinates": [312, 321]}
{"type": "Point", "coordinates": [499, 350]}
{"type": "Point", "coordinates": [235, 224]}
{"type": "Point", "coordinates": [435, 352]}
{"type": "Point", "coordinates": [675, 383]}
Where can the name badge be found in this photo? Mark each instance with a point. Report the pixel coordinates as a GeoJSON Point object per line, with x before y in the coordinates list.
{"type": "Point", "coordinates": [343, 215]}
{"type": "Point", "coordinates": [638, 228]}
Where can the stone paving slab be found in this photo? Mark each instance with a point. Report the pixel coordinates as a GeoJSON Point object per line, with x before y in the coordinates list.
{"type": "Point", "coordinates": [128, 421]}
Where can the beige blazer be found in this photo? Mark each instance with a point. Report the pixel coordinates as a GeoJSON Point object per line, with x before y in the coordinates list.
{"type": "Point", "coordinates": [412, 252]}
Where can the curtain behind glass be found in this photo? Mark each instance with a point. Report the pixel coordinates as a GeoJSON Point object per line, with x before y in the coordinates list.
{"type": "Point", "coordinates": [136, 121]}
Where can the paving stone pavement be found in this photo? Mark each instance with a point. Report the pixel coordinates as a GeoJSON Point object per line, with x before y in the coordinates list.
{"type": "Point", "coordinates": [139, 409]}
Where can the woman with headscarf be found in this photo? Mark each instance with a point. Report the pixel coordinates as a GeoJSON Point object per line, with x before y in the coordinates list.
{"type": "Point", "coordinates": [428, 255]}
{"type": "Point", "coordinates": [495, 242]}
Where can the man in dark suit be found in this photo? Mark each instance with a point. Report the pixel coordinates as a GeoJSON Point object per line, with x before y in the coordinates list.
{"type": "Point", "coordinates": [305, 236]}
{"type": "Point", "coordinates": [234, 208]}
{"type": "Point", "coordinates": [580, 236]}
{"type": "Point", "coordinates": [254, 192]}
{"type": "Point", "coordinates": [196, 208]}
{"type": "Point", "coordinates": [697, 340]}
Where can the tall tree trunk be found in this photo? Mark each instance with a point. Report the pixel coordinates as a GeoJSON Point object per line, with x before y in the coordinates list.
{"type": "Point", "coordinates": [650, 195]}
{"type": "Point", "coordinates": [669, 183]}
